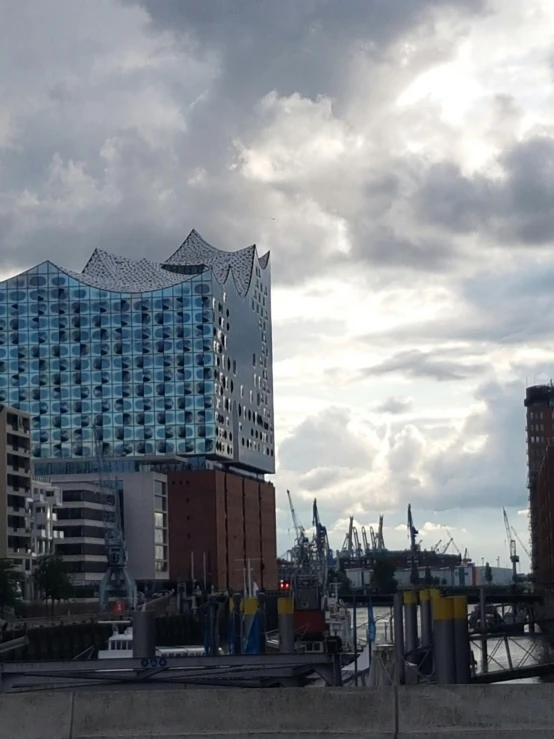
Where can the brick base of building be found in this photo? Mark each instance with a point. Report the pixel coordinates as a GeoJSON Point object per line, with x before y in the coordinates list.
{"type": "Point", "coordinates": [220, 525]}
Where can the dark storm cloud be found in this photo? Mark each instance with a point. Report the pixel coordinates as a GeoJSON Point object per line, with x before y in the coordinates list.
{"type": "Point", "coordinates": [289, 45]}
{"type": "Point", "coordinates": [438, 365]}
{"type": "Point", "coordinates": [516, 209]}
{"type": "Point", "coordinates": [382, 247]}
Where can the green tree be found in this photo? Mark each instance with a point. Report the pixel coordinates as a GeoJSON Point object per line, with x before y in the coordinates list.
{"type": "Point", "coordinates": [382, 576]}
{"type": "Point", "coordinates": [52, 580]}
{"type": "Point", "coordinates": [10, 578]}
{"type": "Point", "coordinates": [340, 576]}
{"type": "Point", "coordinates": [488, 573]}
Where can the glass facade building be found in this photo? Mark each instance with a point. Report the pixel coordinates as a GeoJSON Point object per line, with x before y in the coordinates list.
{"type": "Point", "coordinates": [138, 359]}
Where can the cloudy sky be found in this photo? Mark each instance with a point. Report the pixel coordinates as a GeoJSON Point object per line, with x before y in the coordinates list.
{"type": "Point", "coordinates": [396, 157]}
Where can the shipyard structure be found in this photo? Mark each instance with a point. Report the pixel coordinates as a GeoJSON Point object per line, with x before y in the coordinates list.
{"type": "Point", "coordinates": [154, 380]}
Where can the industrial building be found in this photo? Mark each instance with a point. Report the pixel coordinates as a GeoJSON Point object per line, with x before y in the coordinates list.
{"type": "Point", "coordinates": [539, 404]}
{"type": "Point", "coordinates": [134, 363]}
{"type": "Point", "coordinates": [222, 530]}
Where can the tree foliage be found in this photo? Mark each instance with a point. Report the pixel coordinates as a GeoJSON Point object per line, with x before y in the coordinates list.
{"type": "Point", "coordinates": [9, 584]}
{"type": "Point", "coordinates": [52, 579]}
{"type": "Point", "coordinates": [340, 577]}
{"type": "Point", "coordinates": [382, 576]}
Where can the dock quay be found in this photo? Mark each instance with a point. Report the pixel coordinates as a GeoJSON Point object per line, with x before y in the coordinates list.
{"type": "Point", "coordinates": [472, 712]}
{"type": "Point", "coordinates": [499, 597]}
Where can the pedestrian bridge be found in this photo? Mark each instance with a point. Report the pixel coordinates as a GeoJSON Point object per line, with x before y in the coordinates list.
{"type": "Point", "coordinates": [468, 711]}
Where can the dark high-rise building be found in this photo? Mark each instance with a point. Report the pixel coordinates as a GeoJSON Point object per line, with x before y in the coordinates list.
{"type": "Point", "coordinates": [539, 404]}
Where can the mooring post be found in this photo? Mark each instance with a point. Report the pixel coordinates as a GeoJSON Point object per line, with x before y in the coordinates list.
{"type": "Point", "coordinates": [144, 634]}
{"type": "Point", "coordinates": [285, 617]}
{"type": "Point", "coordinates": [261, 615]}
{"type": "Point", "coordinates": [410, 620]}
{"type": "Point", "coordinates": [237, 624]}
{"type": "Point", "coordinates": [461, 639]}
{"type": "Point", "coordinates": [399, 639]}
{"type": "Point", "coordinates": [443, 636]}
{"type": "Point", "coordinates": [483, 623]}
{"type": "Point", "coordinates": [426, 618]}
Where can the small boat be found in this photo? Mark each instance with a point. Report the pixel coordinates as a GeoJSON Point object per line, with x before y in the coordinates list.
{"type": "Point", "coordinates": [120, 644]}
{"type": "Point", "coordinates": [513, 622]}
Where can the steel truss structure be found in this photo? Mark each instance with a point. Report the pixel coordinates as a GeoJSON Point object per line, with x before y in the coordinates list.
{"type": "Point", "coordinates": [249, 671]}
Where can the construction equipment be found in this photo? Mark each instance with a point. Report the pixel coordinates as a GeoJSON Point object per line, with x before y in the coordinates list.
{"type": "Point", "coordinates": [321, 545]}
{"type": "Point", "coordinates": [414, 547]}
{"type": "Point", "coordinates": [358, 551]}
{"type": "Point", "coordinates": [309, 556]}
{"type": "Point", "coordinates": [365, 542]}
{"type": "Point", "coordinates": [117, 581]}
{"type": "Point", "coordinates": [447, 546]}
{"type": "Point", "coordinates": [514, 558]}
{"type": "Point", "coordinates": [298, 528]}
{"type": "Point", "coordinates": [522, 545]}
{"type": "Point", "coordinates": [380, 538]}
{"type": "Point", "coordinates": [348, 543]}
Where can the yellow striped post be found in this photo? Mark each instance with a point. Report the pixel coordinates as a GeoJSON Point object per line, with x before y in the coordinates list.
{"type": "Point", "coordinates": [461, 639]}
{"type": "Point", "coordinates": [443, 635]}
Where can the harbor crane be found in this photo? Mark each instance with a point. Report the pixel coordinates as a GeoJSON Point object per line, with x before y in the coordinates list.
{"type": "Point", "coordinates": [414, 547]}
{"type": "Point", "coordinates": [365, 542]}
{"type": "Point", "coordinates": [348, 543]}
{"type": "Point", "coordinates": [351, 545]}
{"type": "Point", "coordinates": [521, 544]}
{"type": "Point", "coordinates": [298, 528]}
{"type": "Point", "coordinates": [380, 538]}
{"type": "Point", "coordinates": [117, 580]}
{"type": "Point", "coordinates": [514, 558]}
{"type": "Point", "coordinates": [321, 545]}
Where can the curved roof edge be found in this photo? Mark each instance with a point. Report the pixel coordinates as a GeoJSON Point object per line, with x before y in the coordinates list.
{"type": "Point", "coordinates": [106, 271]}
{"type": "Point", "coordinates": [196, 250]}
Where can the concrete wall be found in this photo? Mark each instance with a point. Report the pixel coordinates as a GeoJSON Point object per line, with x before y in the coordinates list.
{"type": "Point", "coordinates": [472, 712]}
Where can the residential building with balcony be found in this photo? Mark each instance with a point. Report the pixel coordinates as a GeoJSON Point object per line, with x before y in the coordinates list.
{"type": "Point", "coordinates": [16, 507]}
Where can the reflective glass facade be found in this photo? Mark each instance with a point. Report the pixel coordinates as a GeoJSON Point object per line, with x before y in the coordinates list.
{"type": "Point", "coordinates": [144, 373]}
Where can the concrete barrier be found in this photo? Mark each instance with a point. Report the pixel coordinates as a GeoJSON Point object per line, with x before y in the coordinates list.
{"type": "Point", "coordinates": [476, 711]}
{"type": "Point", "coordinates": [471, 712]}
{"type": "Point", "coordinates": [235, 713]}
{"type": "Point", "coordinates": [36, 715]}
{"type": "Point", "coordinates": [184, 713]}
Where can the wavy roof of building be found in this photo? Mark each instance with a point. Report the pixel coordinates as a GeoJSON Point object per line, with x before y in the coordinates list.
{"type": "Point", "coordinates": [112, 272]}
